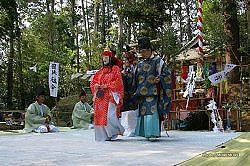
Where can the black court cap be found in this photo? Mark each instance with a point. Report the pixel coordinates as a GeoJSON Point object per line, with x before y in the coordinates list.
{"type": "Point", "coordinates": [144, 43]}
{"type": "Point", "coordinates": [82, 93]}
{"type": "Point", "coordinates": [40, 92]}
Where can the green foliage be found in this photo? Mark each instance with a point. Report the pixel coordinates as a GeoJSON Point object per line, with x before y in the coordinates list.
{"type": "Point", "coordinates": [214, 28]}
{"type": "Point", "coordinates": [3, 23]}
{"type": "Point", "coordinates": [243, 25]}
{"type": "Point", "coordinates": [96, 49]}
{"type": "Point", "coordinates": [168, 44]}
{"type": "Point", "coordinates": [214, 23]}
{"type": "Point", "coordinates": [150, 15]}
{"type": "Point", "coordinates": [151, 18]}
{"type": "Point", "coordinates": [52, 36]}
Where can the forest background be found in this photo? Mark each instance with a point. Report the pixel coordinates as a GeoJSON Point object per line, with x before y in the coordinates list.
{"type": "Point", "coordinates": [74, 32]}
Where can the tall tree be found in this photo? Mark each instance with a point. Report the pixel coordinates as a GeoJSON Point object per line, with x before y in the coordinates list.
{"type": "Point", "coordinates": [10, 8]}
{"type": "Point", "coordinates": [97, 15]}
{"type": "Point", "coordinates": [86, 31]}
{"type": "Point", "coordinates": [75, 32]}
{"type": "Point", "coordinates": [10, 59]}
{"type": "Point", "coordinates": [103, 22]}
{"type": "Point", "coordinates": [20, 64]}
{"type": "Point", "coordinates": [232, 32]}
{"type": "Point", "coordinates": [248, 22]}
{"type": "Point", "coordinates": [50, 6]}
{"type": "Point", "coordinates": [117, 6]}
{"type": "Point", "coordinates": [89, 43]}
{"type": "Point", "coordinates": [148, 17]}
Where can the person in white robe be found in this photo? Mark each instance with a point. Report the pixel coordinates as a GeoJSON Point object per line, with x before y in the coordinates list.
{"type": "Point", "coordinates": [130, 109]}
{"type": "Point", "coordinates": [107, 89]}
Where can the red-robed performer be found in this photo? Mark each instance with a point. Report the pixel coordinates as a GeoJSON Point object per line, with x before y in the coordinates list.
{"type": "Point", "coordinates": [107, 89]}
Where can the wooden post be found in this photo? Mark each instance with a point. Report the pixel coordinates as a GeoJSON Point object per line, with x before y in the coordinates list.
{"type": "Point", "coordinates": [238, 120]}
{"type": "Point", "coordinates": [220, 86]}
{"type": "Point", "coordinates": [169, 121]}
{"type": "Point", "coordinates": [57, 112]}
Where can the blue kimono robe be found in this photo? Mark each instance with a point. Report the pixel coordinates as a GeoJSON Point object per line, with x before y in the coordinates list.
{"type": "Point", "coordinates": [154, 99]}
{"type": "Point", "coordinates": [128, 83]}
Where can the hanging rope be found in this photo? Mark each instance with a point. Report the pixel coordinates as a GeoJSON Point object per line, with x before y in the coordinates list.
{"type": "Point", "coordinates": [200, 27]}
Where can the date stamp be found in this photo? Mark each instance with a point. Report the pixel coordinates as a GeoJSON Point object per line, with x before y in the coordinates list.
{"type": "Point", "coordinates": [224, 155]}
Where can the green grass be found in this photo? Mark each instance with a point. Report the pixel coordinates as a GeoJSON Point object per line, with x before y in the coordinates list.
{"type": "Point", "coordinates": [239, 147]}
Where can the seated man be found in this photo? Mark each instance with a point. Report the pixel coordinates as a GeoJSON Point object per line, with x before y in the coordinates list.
{"type": "Point", "coordinates": [38, 116]}
{"type": "Point", "coordinates": [81, 115]}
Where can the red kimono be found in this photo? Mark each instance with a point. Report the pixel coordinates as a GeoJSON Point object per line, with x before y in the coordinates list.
{"type": "Point", "coordinates": [109, 76]}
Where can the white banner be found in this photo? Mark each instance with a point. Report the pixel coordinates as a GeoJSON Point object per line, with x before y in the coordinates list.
{"type": "Point", "coordinates": [220, 76]}
{"type": "Point", "coordinates": [229, 67]}
{"type": "Point", "coordinates": [53, 78]}
{"type": "Point", "coordinates": [217, 77]}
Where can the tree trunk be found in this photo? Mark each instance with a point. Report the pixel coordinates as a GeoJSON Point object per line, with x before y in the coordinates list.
{"type": "Point", "coordinates": [75, 33]}
{"type": "Point", "coordinates": [232, 32]}
{"type": "Point", "coordinates": [97, 15]}
{"type": "Point", "coordinates": [103, 40]}
{"type": "Point", "coordinates": [108, 19]}
{"type": "Point", "coordinates": [50, 14]}
{"type": "Point", "coordinates": [108, 13]}
{"type": "Point", "coordinates": [61, 6]}
{"type": "Point", "coordinates": [128, 27]}
{"type": "Point", "coordinates": [10, 71]}
{"type": "Point", "coordinates": [85, 32]}
{"type": "Point", "coordinates": [121, 35]}
{"type": "Point", "coordinates": [20, 64]}
{"type": "Point", "coordinates": [85, 22]}
{"type": "Point", "coordinates": [12, 16]}
{"type": "Point", "coordinates": [47, 7]}
{"type": "Point", "coordinates": [248, 23]}
{"type": "Point", "coordinates": [121, 27]}
{"type": "Point", "coordinates": [20, 71]}
{"type": "Point", "coordinates": [77, 52]}
{"type": "Point", "coordinates": [53, 6]}
{"type": "Point", "coordinates": [88, 34]}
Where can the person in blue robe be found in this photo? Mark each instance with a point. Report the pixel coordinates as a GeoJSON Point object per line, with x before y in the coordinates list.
{"type": "Point", "coordinates": [153, 91]}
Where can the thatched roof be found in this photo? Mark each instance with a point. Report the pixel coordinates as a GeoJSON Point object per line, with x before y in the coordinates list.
{"type": "Point", "coordinates": [192, 53]}
{"type": "Point", "coordinates": [189, 50]}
